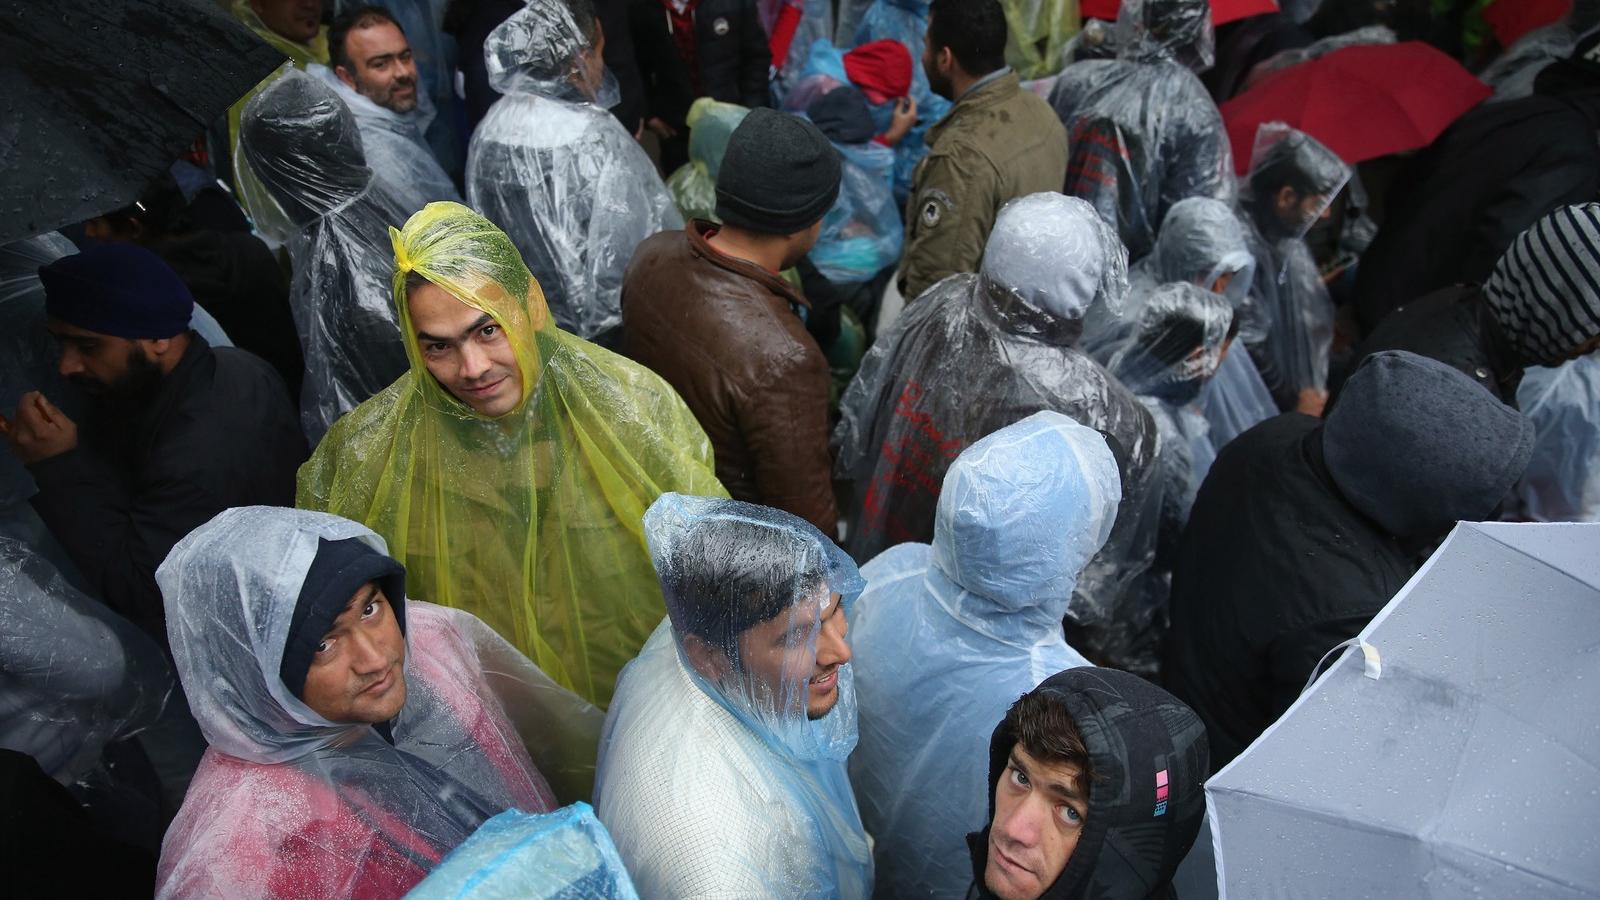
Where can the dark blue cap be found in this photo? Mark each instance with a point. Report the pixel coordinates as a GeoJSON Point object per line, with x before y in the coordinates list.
{"type": "Point", "coordinates": [117, 289]}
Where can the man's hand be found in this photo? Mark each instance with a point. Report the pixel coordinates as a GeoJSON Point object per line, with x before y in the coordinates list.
{"type": "Point", "coordinates": [662, 129]}
{"type": "Point", "coordinates": [901, 120]}
{"type": "Point", "coordinates": [1311, 401]}
{"type": "Point", "coordinates": [39, 431]}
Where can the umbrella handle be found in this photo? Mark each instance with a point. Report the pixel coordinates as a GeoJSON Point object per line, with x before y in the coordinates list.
{"type": "Point", "coordinates": [1372, 661]}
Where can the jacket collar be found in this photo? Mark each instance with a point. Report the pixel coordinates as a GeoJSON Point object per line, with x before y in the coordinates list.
{"type": "Point", "coordinates": [990, 91]}
{"type": "Point", "coordinates": [700, 248]}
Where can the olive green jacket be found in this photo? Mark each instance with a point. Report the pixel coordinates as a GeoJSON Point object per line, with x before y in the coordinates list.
{"type": "Point", "coordinates": [998, 142]}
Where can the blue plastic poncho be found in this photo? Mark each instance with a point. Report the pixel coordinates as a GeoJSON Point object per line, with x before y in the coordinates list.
{"type": "Point", "coordinates": [713, 779]}
{"type": "Point", "coordinates": [905, 21]}
{"type": "Point", "coordinates": [561, 855]}
{"type": "Point", "coordinates": [949, 635]}
{"type": "Point", "coordinates": [551, 166]}
{"type": "Point", "coordinates": [1143, 131]}
{"type": "Point", "coordinates": [1562, 483]}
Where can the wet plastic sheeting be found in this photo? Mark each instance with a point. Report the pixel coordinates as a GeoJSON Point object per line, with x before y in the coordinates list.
{"type": "Point", "coordinates": [1562, 483]}
{"type": "Point", "coordinates": [555, 169]}
{"type": "Point", "coordinates": [694, 185]}
{"type": "Point", "coordinates": [1452, 753]}
{"type": "Point", "coordinates": [562, 855]}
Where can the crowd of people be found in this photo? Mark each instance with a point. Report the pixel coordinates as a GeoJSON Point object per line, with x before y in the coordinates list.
{"type": "Point", "coordinates": [862, 447]}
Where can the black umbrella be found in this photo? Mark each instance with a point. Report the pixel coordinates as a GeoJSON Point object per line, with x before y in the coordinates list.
{"type": "Point", "coordinates": [99, 96]}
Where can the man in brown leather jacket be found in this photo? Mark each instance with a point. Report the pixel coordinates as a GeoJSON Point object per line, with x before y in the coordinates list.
{"type": "Point", "coordinates": [705, 309]}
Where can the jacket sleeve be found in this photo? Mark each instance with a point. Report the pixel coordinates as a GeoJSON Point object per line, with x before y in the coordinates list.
{"type": "Point", "coordinates": [785, 427]}
{"type": "Point", "coordinates": [118, 533]}
{"type": "Point", "coordinates": [948, 219]}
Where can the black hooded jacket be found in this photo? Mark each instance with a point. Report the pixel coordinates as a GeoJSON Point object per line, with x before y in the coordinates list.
{"type": "Point", "coordinates": [1305, 528]}
{"type": "Point", "coordinates": [1147, 759]}
{"type": "Point", "coordinates": [1454, 326]}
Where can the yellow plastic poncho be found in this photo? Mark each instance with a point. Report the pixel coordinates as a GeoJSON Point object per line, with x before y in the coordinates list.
{"type": "Point", "coordinates": [257, 202]}
{"type": "Point", "coordinates": [530, 521]}
{"type": "Point", "coordinates": [1039, 33]}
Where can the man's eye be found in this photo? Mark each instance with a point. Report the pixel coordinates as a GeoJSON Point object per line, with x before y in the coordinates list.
{"type": "Point", "coordinates": [436, 348]}
{"type": "Point", "coordinates": [324, 646]}
{"type": "Point", "coordinates": [490, 331]}
{"type": "Point", "coordinates": [370, 609]}
{"type": "Point", "coordinates": [1070, 816]}
{"type": "Point", "coordinates": [1018, 778]}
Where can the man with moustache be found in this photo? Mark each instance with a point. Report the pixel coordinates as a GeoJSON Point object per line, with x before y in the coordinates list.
{"type": "Point", "coordinates": [177, 430]}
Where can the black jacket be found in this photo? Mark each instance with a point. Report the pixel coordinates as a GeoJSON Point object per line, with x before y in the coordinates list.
{"type": "Point", "coordinates": [734, 58]}
{"type": "Point", "coordinates": [1455, 327]}
{"type": "Point", "coordinates": [219, 433]}
{"type": "Point", "coordinates": [1274, 569]}
{"type": "Point", "coordinates": [1147, 761]}
{"type": "Point", "coordinates": [1457, 206]}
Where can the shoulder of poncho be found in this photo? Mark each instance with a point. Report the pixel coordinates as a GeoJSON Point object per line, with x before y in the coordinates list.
{"type": "Point", "coordinates": [621, 382]}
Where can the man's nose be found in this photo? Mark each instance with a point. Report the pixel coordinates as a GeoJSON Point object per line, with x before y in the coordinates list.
{"type": "Point", "coordinates": [832, 647]}
{"type": "Point", "coordinates": [1021, 825]}
{"type": "Point", "coordinates": [474, 362]}
{"type": "Point", "coordinates": [366, 657]}
{"type": "Point", "coordinates": [71, 363]}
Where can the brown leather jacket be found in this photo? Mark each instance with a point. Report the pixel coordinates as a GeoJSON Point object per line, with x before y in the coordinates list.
{"type": "Point", "coordinates": [724, 333]}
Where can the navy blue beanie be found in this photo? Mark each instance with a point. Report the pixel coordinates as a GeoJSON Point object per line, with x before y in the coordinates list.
{"type": "Point", "coordinates": [117, 289]}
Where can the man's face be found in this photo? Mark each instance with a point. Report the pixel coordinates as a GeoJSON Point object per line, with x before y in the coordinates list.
{"type": "Point", "coordinates": [1297, 211]}
{"type": "Point", "coordinates": [102, 365]}
{"type": "Point", "coordinates": [466, 350]}
{"type": "Point", "coordinates": [297, 20]}
{"type": "Point", "coordinates": [358, 673]}
{"type": "Point", "coordinates": [1039, 813]}
{"type": "Point", "coordinates": [936, 64]}
{"type": "Point", "coordinates": [778, 653]}
{"type": "Point", "coordinates": [384, 71]}
{"type": "Point", "coordinates": [592, 64]}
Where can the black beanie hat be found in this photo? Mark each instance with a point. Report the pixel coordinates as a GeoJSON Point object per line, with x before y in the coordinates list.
{"type": "Point", "coordinates": [843, 115]}
{"type": "Point", "coordinates": [339, 569]}
{"type": "Point", "coordinates": [779, 174]}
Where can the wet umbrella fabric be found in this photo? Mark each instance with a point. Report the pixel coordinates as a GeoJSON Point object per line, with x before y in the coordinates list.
{"type": "Point", "coordinates": [1362, 102]}
{"type": "Point", "coordinates": [84, 132]}
{"type": "Point", "coordinates": [1450, 752]}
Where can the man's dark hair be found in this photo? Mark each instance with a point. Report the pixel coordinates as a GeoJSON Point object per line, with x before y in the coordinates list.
{"type": "Point", "coordinates": [728, 575]}
{"type": "Point", "coordinates": [974, 30]}
{"type": "Point", "coordinates": [1040, 722]}
{"type": "Point", "coordinates": [584, 16]}
{"type": "Point", "coordinates": [348, 21]}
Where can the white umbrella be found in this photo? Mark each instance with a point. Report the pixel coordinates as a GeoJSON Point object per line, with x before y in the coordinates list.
{"type": "Point", "coordinates": [1452, 751]}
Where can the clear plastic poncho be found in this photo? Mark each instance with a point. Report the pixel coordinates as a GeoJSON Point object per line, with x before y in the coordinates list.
{"type": "Point", "coordinates": [394, 146]}
{"type": "Point", "coordinates": [905, 21]}
{"type": "Point", "coordinates": [948, 636]}
{"type": "Point", "coordinates": [1562, 483]}
{"type": "Point", "coordinates": [74, 676]}
{"type": "Point", "coordinates": [529, 521]}
{"type": "Point", "coordinates": [287, 803]}
{"type": "Point", "coordinates": [1142, 129]}
{"type": "Point", "coordinates": [1512, 74]}
{"type": "Point", "coordinates": [1287, 322]}
{"type": "Point", "coordinates": [561, 855]}
{"type": "Point", "coordinates": [304, 148]}
{"type": "Point", "coordinates": [979, 352]}
{"type": "Point", "coordinates": [713, 780]}
{"type": "Point", "coordinates": [555, 169]}
{"type": "Point", "coordinates": [694, 186]}
{"type": "Point", "coordinates": [28, 355]}
{"type": "Point", "coordinates": [1175, 347]}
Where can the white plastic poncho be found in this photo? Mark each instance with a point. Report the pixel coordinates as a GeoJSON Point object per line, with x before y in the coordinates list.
{"type": "Point", "coordinates": [394, 146]}
{"type": "Point", "coordinates": [556, 171]}
{"type": "Point", "coordinates": [948, 636]}
{"type": "Point", "coordinates": [73, 675]}
{"type": "Point", "coordinates": [287, 803]}
{"type": "Point", "coordinates": [303, 146]}
{"type": "Point", "coordinates": [1143, 131]}
{"type": "Point", "coordinates": [979, 352]}
{"type": "Point", "coordinates": [1562, 483]}
{"type": "Point", "coordinates": [715, 783]}
{"type": "Point", "coordinates": [1287, 322]}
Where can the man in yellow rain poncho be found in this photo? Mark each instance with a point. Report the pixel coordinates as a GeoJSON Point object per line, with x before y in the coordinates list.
{"type": "Point", "coordinates": [509, 469]}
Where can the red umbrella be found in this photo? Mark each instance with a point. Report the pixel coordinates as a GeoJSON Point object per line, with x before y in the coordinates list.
{"type": "Point", "coordinates": [1222, 11]}
{"type": "Point", "coordinates": [1363, 102]}
{"type": "Point", "coordinates": [1511, 19]}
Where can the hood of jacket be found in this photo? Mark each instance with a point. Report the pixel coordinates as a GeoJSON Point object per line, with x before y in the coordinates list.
{"type": "Point", "coordinates": [1545, 290]}
{"type": "Point", "coordinates": [539, 50]}
{"type": "Point", "coordinates": [1416, 445]}
{"type": "Point", "coordinates": [1023, 511]}
{"type": "Point", "coordinates": [1148, 758]}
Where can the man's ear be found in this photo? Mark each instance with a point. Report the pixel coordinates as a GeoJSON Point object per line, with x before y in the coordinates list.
{"type": "Point", "coordinates": [345, 76]}
{"type": "Point", "coordinates": [1287, 197]}
{"type": "Point", "coordinates": [709, 661]}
